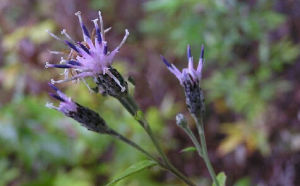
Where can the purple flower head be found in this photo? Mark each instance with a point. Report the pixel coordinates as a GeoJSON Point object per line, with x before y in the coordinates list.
{"type": "Point", "coordinates": [92, 56]}
{"type": "Point", "coordinates": [189, 78]}
{"type": "Point", "coordinates": [188, 73]}
{"type": "Point", "coordinates": [85, 116]}
{"type": "Point", "coordinates": [66, 105]}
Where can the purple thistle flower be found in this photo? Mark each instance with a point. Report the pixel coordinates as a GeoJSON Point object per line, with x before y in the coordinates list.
{"type": "Point", "coordinates": [87, 117]}
{"type": "Point", "coordinates": [93, 57]}
{"type": "Point", "coordinates": [189, 78]}
{"type": "Point", "coordinates": [189, 72]}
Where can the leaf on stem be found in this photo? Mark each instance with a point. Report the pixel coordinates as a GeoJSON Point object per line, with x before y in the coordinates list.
{"type": "Point", "coordinates": [188, 149]}
{"type": "Point", "coordinates": [137, 167]}
{"type": "Point", "coordinates": [221, 177]}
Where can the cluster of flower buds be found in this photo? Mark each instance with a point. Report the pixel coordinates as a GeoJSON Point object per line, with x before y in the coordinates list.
{"type": "Point", "coordinates": [189, 78]}
{"type": "Point", "coordinates": [88, 118]}
{"type": "Point", "coordinates": [91, 58]}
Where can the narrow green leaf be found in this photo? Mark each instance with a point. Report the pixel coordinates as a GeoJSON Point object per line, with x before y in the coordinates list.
{"type": "Point", "coordinates": [221, 177]}
{"type": "Point", "coordinates": [188, 149]}
{"type": "Point", "coordinates": [137, 167]}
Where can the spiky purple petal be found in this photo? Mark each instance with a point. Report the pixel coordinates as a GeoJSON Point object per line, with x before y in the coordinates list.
{"type": "Point", "coordinates": [74, 63]}
{"type": "Point", "coordinates": [84, 48]}
{"type": "Point", "coordinates": [99, 37]}
{"type": "Point", "coordinates": [53, 87]}
{"type": "Point", "coordinates": [61, 66]}
{"type": "Point", "coordinates": [165, 61]}
{"type": "Point", "coordinates": [85, 31]}
{"type": "Point", "coordinates": [57, 97]}
{"type": "Point", "coordinates": [189, 52]}
{"type": "Point", "coordinates": [71, 45]}
{"type": "Point", "coordinates": [105, 49]}
{"type": "Point", "coordinates": [202, 52]}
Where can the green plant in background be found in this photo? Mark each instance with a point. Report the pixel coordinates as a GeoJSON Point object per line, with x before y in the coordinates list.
{"type": "Point", "coordinates": [240, 82]}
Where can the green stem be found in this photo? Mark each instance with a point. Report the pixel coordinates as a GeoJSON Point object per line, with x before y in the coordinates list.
{"type": "Point", "coordinates": [129, 103]}
{"type": "Point", "coordinates": [128, 107]}
{"type": "Point", "coordinates": [200, 128]}
{"type": "Point", "coordinates": [190, 133]}
{"type": "Point", "coordinates": [131, 143]}
{"type": "Point", "coordinates": [134, 145]}
{"type": "Point", "coordinates": [165, 158]}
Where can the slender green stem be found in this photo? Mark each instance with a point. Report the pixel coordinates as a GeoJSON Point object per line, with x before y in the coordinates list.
{"type": "Point", "coordinates": [165, 158]}
{"type": "Point", "coordinates": [132, 102]}
{"type": "Point", "coordinates": [129, 103]}
{"type": "Point", "coordinates": [200, 128]}
{"type": "Point", "coordinates": [131, 143]}
{"type": "Point", "coordinates": [190, 133]}
{"type": "Point", "coordinates": [128, 107]}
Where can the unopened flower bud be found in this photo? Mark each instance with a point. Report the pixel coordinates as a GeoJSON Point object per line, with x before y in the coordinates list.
{"type": "Point", "coordinates": [112, 83]}
{"type": "Point", "coordinates": [85, 116]}
{"type": "Point", "coordinates": [194, 97]}
{"type": "Point", "coordinates": [89, 119]}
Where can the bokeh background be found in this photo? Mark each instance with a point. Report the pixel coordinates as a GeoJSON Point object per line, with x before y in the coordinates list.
{"type": "Point", "coordinates": [250, 78]}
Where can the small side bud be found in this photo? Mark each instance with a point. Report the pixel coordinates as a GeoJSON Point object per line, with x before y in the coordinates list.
{"type": "Point", "coordinates": [181, 120]}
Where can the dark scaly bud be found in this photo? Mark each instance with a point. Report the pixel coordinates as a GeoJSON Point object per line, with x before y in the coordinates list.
{"type": "Point", "coordinates": [89, 119]}
{"type": "Point", "coordinates": [112, 83]}
{"type": "Point", "coordinates": [85, 116]}
{"type": "Point", "coordinates": [194, 97]}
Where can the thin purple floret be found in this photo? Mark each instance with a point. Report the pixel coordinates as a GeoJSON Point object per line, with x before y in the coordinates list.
{"type": "Point", "coordinates": [57, 97]}
{"type": "Point", "coordinates": [105, 50]}
{"type": "Point", "coordinates": [85, 31]}
{"type": "Point", "coordinates": [84, 48]}
{"type": "Point", "coordinates": [71, 45]}
{"type": "Point", "coordinates": [74, 63]}
{"type": "Point", "coordinates": [53, 87]}
{"type": "Point", "coordinates": [202, 52]}
{"type": "Point", "coordinates": [62, 66]}
{"type": "Point", "coordinates": [165, 61]}
{"type": "Point", "coordinates": [189, 52]}
{"type": "Point", "coordinates": [99, 37]}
